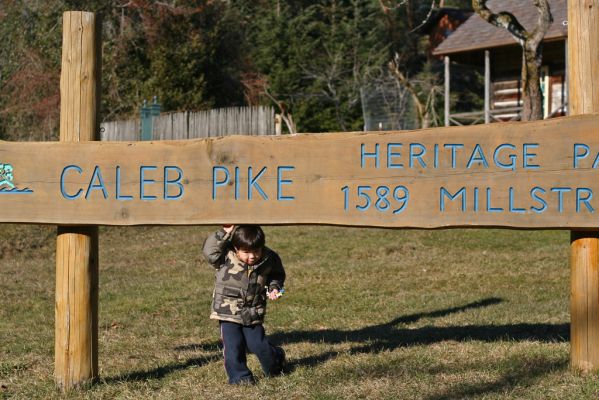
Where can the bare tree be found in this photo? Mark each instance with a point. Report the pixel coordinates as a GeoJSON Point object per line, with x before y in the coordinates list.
{"type": "Point", "coordinates": [531, 42]}
{"type": "Point", "coordinates": [424, 93]}
{"type": "Point", "coordinates": [284, 113]}
{"type": "Point", "coordinates": [256, 85]}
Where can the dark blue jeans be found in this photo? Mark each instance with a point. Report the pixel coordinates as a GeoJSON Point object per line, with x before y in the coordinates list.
{"type": "Point", "coordinates": [237, 340]}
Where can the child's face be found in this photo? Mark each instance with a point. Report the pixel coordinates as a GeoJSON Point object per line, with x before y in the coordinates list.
{"type": "Point", "coordinates": [249, 256]}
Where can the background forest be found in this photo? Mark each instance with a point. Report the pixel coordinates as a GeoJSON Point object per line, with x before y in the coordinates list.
{"type": "Point", "coordinates": [309, 59]}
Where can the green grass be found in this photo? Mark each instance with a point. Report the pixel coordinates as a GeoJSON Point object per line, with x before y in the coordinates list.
{"type": "Point", "coordinates": [368, 313]}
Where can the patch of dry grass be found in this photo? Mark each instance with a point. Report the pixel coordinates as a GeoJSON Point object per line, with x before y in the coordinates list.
{"type": "Point", "coordinates": [368, 313]}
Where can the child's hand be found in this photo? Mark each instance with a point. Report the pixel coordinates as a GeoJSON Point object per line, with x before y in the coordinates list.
{"type": "Point", "coordinates": [228, 228]}
{"type": "Point", "coordinates": [275, 294]}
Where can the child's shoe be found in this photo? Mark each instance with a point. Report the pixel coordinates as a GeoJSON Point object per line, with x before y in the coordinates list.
{"type": "Point", "coordinates": [245, 381]}
{"type": "Point", "coordinates": [280, 361]}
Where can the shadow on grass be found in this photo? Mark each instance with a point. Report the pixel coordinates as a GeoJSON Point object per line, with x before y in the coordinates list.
{"type": "Point", "coordinates": [199, 347]}
{"type": "Point", "coordinates": [161, 372]}
{"type": "Point", "coordinates": [389, 336]}
{"type": "Point", "coordinates": [392, 335]}
{"type": "Point", "coordinates": [523, 375]}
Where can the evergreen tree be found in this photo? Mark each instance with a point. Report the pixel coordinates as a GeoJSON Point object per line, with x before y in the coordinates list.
{"type": "Point", "coordinates": [310, 59]}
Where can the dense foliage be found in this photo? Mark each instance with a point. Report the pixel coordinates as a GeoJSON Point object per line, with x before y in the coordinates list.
{"type": "Point", "coordinates": [307, 58]}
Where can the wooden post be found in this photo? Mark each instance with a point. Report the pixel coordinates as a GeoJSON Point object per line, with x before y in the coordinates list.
{"type": "Point", "coordinates": [447, 88]}
{"type": "Point", "coordinates": [76, 308]}
{"type": "Point", "coordinates": [583, 75]}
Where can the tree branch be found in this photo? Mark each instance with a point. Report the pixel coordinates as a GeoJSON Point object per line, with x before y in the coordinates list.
{"type": "Point", "coordinates": [285, 115]}
{"type": "Point", "coordinates": [502, 20]}
{"type": "Point", "coordinates": [544, 21]}
{"type": "Point", "coordinates": [402, 79]}
{"type": "Point", "coordinates": [428, 16]}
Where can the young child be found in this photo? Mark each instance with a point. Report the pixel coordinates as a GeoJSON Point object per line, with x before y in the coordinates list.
{"type": "Point", "coordinates": [247, 272]}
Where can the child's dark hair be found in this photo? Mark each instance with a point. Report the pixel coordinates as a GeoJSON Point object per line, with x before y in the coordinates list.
{"type": "Point", "coordinates": [248, 237]}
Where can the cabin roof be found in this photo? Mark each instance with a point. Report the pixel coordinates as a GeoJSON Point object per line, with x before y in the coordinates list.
{"type": "Point", "coordinates": [432, 21]}
{"type": "Point", "coordinates": [477, 34]}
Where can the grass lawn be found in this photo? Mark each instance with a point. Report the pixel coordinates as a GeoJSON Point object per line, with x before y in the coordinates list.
{"type": "Point", "coordinates": [367, 313]}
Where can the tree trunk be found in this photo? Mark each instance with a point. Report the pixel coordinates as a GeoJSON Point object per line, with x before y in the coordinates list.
{"type": "Point", "coordinates": [532, 109]}
{"type": "Point", "coordinates": [531, 42]}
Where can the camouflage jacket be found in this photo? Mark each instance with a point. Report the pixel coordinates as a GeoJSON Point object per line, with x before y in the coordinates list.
{"type": "Point", "coordinates": [240, 290]}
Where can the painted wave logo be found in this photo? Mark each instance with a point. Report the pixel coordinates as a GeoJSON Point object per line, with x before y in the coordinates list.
{"type": "Point", "coordinates": [7, 185]}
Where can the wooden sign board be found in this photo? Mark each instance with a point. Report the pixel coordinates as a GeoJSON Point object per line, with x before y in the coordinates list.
{"type": "Point", "coordinates": [525, 175]}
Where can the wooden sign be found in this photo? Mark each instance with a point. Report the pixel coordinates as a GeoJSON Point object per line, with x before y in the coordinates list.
{"type": "Point", "coordinates": [528, 175]}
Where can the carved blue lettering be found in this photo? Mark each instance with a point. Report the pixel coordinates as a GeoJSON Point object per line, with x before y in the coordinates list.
{"type": "Point", "coordinates": [489, 207]}
{"type": "Point", "coordinates": [535, 196]}
{"type": "Point", "coordinates": [417, 155]}
{"type": "Point", "coordinates": [143, 182]}
{"type": "Point", "coordinates": [216, 183]}
{"type": "Point", "coordinates": [453, 147]}
{"type": "Point", "coordinates": [236, 183]}
{"type": "Point", "coordinates": [584, 200]}
{"type": "Point", "coordinates": [170, 182]}
{"type": "Point", "coordinates": [281, 182]}
{"type": "Point", "coordinates": [560, 196]}
{"type": "Point", "coordinates": [478, 156]}
{"type": "Point", "coordinates": [119, 196]}
{"type": "Point", "coordinates": [97, 175]}
{"type": "Point", "coordinates": [578, 155]}
{"type": "Point", "coordinates": [527, 156]}
{"type": "Point", "coordinates": [364, 154]}
{"type": "Point", "coordinates": [511, 203]}
{"type": "Point", "coordinates": [512, 157]}
{"type": "Point", "coordinates": [444, 193]}
{"type": "Point", "coordinates": [391, 154]}
{"type": "Point", "coordinates": [62, 188]}
{"type": "Point", "coordinates": [253, 183]}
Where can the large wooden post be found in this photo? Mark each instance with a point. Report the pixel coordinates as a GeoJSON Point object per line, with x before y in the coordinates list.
{"type": "Point", "coordinates": [583, 79]}
{"type": "Point", "coordinates": [76, 312]}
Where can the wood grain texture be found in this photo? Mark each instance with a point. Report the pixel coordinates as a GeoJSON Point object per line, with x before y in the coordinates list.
{"type": "Point", "coordinates": [76, 307]}
{"type": "Point", "coordinates": [313, 170]}
{"type": "Point", "coordinates": [583, 75]}
{"type": "Point", "coordinates": [583, 255]}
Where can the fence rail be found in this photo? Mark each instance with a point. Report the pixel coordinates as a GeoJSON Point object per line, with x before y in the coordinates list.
{"type": "Point", "coordinates": [193, 125]}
